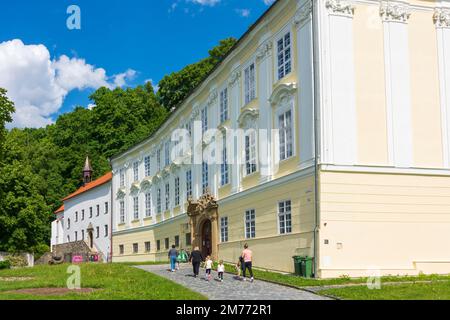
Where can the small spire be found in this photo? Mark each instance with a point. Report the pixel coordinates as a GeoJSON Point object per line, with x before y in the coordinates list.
{"type": "Point", "coordinates": [87, 171]}
{"type": "Point", "coordinates": [87, 165]}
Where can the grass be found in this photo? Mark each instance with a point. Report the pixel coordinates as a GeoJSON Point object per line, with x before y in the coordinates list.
{"type": "Point", "coordinates": [114, 281]}
{"type": "Point", "coordinates": [413, 291]}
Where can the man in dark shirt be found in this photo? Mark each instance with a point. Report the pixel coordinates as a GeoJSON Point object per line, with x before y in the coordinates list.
{"type": "Point", "coordinates": [173, 258]}
{"type": "Point", "coordinates": [196, 258]}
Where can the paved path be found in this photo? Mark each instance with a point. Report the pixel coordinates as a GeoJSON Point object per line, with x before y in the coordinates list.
{"type": "Point", "coordinates": [230, 288]}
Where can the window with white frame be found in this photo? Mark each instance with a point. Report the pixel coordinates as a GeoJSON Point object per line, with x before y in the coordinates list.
{"type": "Point", "coordinates": [284, 55]}
{"type": "Point", "coordinates": [250, 152]}
{"type": "Point", "coordinates": [167, 153]}
{"type": "Point", "coordinates": [82, 235]}
{"type": "Point", "coordinates": [148, 204]}
{"type": "Point", "coordinates": [90, 212]}
{"type": "Point", "coordinates": [147, 166]}
{"type": "Point", "coordinates": [76, 216]}
{"type": "Point", "coordinates": [285, 217]}
{"type": "Point", "coordinates": [122, 177]}
{"type": "Point", "coordinates": [158, 200]}
{"type": "Point", "coordinates": [167, 197]}
{"type": "Point", "coordinates": [177, 191]}
{"type": "Point", "coordinates": [223, 229]}
{"type": "Point", "coordinates": [122, 212]}
{"type": "Point", "coordinates": [97, 232]}
{"type": "Point", "coordinates": [249, 83]}
{"type": "Point", "coordinates": [285, 134]}
{"type": "Point", "coordinates": [147, 246]}
{"type": "Point", "coordinates": [136, 171]}
{"type": "Point", "coordinates": [188, 184]}
{"type": "Point", "coordinates": [204, 117]}
{"type": "Point", "coordinates": [68, 224]}
{"type": "Point", "coordinates": [224, 105]}
{"type": "Point", "coordinates": [82, 215]}
{"type": "Point", "coordinates": [106, 207]}
{"type": "Point", "coordinates": [76, 235]}
{"type": "Point", "coordinates": [106, 230]}
{"type": "Point", "coordinates": [224, 167]}
{"type": "Point", "coordinates": [136, 208]}
{"type": "Point", "coordinates": [98, 210]}
{"type": "Point", "coordinates": [205, 177]}
{"type": "Point", "coordinates": [250, 224]}
{"type": "Point", "coordinates": [158, 159]}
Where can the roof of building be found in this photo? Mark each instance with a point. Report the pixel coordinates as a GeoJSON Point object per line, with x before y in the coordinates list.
{"type": "Point", "coordinates": [61, 209]}
{"type": "Point", "coordinates": [91, 185]}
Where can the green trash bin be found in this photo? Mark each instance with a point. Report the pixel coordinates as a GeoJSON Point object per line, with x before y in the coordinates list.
{"type": "Point", "coordinates": [303, 266]}
{"type": "Point", "coordinates": [297, 265]}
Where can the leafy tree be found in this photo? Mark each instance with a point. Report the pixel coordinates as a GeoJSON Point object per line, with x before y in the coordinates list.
{"type": "Point", "coordinates": [174, 88]}
{"type": "Point", "coordinates": [6, 111]}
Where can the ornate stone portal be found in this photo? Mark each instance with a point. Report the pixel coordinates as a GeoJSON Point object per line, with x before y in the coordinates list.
{"type": "Point", "coordinates": [203, 215]}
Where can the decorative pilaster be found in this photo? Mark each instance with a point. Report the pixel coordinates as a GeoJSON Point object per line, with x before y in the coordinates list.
{"type": "Point", "coordinates": [303, 15]}
{"type": "Point", "coordinates": [340, 8]}
{"type": "Point", "coordinates": [394, 12]}
{"type": "Point", "coordinates": [441, 17]}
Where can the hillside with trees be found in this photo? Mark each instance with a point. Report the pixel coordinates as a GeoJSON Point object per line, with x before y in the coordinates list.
{"type": "Point", "coordinates": [38, 167]}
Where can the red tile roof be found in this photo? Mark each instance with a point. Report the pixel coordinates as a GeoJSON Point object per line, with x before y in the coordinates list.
{"type": "Point", "coordinates": [91, 185]}
{"type": "Point", "coordinates": [61, 209]}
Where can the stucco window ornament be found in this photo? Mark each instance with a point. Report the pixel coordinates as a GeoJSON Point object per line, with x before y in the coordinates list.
{"type": "Point", "coordinates": [248, 119]}
{"type": "Point", "coordinates": [283, 94]}
{"type": "Point", "coordinates": [340, 8]}
{"type": "Point", "coordinates": [441, 17]}
{"type": "Point", "coordinates": [234, 78]}
{"type": "Point", "coordinates": [146, 184]}
{"type": "Point", "coordinates": [156, 178]}
{"type": "Point", "coordinates": [303, 15]}
{"type": "Point", "coordinates": [195, 112]}
{"type": "Point", "coordinates": [212, 98]}
{"type": "Point", "coordinates": [264, 51]}
{"type": "Point", "coordinates": [135, 187]}
{"type": "Point", "coordinates": [121, 193]}
{"type": "Point", "coordinates": [394, 12]}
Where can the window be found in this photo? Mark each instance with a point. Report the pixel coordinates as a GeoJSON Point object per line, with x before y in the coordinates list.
{"type": "Point", "coordinates": [121, 249]}
{"type": "Point", "coordinates": [135, 248]}
{"type": "Point", "coordinates": [167, 197]}
{"type": "Point", "coordinates": [68, 224]}
{"type": "Point", "coordinates": [167, 153]}
{"type": "Point", "coordinates": [147, 246]}
{"type": "Point", "coordinates": [76, 216]}
{"type": "Point", "coordinates": [188, 184]}
{"type": "Point", "coordinates": [136, 171]}
{"type": "Point", "coordinates": [158, 245]}
{"type": "Point", "coordinates": [82, 214]}
{"type": "Point", "coordinates": [68, 238]}
{"type": "Point", "coordinates": [147, 166]}
{"type": "Point", "coordinates": [158, 159]}
{"type": "Point", "coordinates": [224, 167]}
{"type": "Point", "coordinates": [97, 230]}
{"type": "Point", "coordinates": [250, 152]}
{"type": "Point", "coordinates": [136, 208]}
{"type": "Point", "coordinates": [106, 230]}
{"type": "Point", "coordinates": [224, 229]}
{"type": "Point", "coordinates": [205, 177]}
{"type": "Point", "coordinates": [188, 239]}
{"type": "Point", "coordinates": [177, 241]}
{"type": "Point", "coordinates": [249, 83]}
{"type": "Point", "coordinates": [284, 56]}
{"type": "Point", "coordinates": [90, 212]}
{"type": "Point", "coordinates": [285, 217]}
{"type": "Point", "coordinates": [122, 212]}
{"type": "Point", "coordinates": [76, 235]}
{"type": "Point", "coordinates": [158, 200]}
{"type": "Point", "coordinates": [286, 141]}
{"type": "Point", "coordinates": [122, 177]}
{"type": "Point", "coordinates": [177, 191]}
{"type": "Point", "coordinates": [204, 119]}
{"type": "Point", "coordinates": [224, 105]}
{"type": "Point", "coordinates": [106, 207]}
{"type": "Point", "coordinates": [98, 210]}
{"type": "Point", "coordinates": [250, 231]}
{"type": "Point", "coordinates": [166, 243]}
{"type": "Point", "coordinates": [82, 235]}
{"type": "Point", "coordinates": [148, 204]}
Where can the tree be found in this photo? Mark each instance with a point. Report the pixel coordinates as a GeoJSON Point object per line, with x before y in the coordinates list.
{"type": "Point", "coordinates": [6, 111]}
{"type": "Point", "coordinates": [174, 88]}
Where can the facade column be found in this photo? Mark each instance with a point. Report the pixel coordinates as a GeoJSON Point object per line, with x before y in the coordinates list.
{"type": "Point", "coordinates": [234, 84]}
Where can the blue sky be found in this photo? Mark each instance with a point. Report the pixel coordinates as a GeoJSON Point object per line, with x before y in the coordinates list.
{"type": "Point", "coordinates": [147, 39]}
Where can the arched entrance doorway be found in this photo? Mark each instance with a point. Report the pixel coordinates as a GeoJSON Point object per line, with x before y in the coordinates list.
{"type": "Point", "coordinates": [206, 238]}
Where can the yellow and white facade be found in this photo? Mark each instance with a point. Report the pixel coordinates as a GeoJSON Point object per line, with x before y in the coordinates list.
{"type": "Point", "coordinates": [364, 88]}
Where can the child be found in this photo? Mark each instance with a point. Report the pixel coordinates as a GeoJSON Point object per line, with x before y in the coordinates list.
{"type": "Point", "coordinates": [221, 270]}
{"type": "Point", "coordinates": [240, 267]}
{"type": "Point", "coordinates": [208, 265]}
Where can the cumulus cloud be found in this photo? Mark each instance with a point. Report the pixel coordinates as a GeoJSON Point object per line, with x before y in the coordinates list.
{"type": "Point", "coordinates": [38, 85]}
{"type": "Point", "coordinates": [210, 3]}
{"type": "Point", "coordinates": [245, 13]}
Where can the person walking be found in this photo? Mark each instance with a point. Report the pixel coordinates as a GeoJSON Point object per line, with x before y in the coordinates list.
{"type": "Point", "coordinates": [196, 258]}
{"type": "Point", "coordinates": [247, 256]}
{"type": "Point", "coordinates": [173, 258]}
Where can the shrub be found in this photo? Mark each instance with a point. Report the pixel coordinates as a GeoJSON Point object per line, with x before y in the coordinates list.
{"type": "Point", "coordinates": [17, 261]}
{"type": "Point", "coordinates": [5, 264]}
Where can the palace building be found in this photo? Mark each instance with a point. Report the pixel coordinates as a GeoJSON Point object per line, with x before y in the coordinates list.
{"type": "Point", "coordinates": [333, 121]}
{"type": "Point", "coordinates": [83, 223]}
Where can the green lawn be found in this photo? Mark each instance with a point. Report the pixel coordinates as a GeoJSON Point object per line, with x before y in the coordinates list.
{"type": "Point", "coordinates": [114, 281]}
{"type": "Point", "coordinates": [415, 291]}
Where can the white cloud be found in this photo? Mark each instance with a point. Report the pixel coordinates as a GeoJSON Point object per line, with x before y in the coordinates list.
{"type": "Point", "coordinates": [154, 85]}
{"type": "Point", "coordinates": [268, 2]}
{"type": "Point", "coordinates": [38, 85]}
{"type": "Point", "coordinates": [245, 13]}
{"type": "Point", "coordinates": [210, 3]}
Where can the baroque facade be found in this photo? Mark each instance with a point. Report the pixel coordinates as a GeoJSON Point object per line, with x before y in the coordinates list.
{"type": "Point", "coordinates": [339, 117]}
